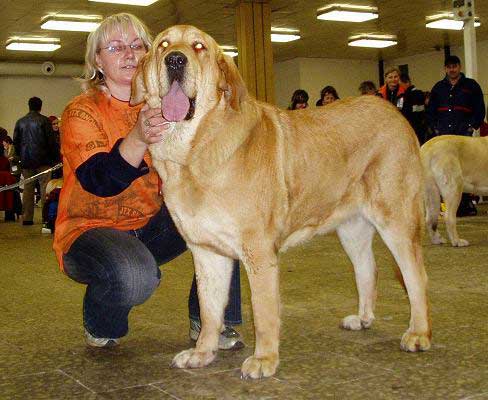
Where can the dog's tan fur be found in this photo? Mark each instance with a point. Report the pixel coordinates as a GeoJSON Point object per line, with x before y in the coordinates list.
{"type": "Point", "coordinates": [244, 179]}
{"type": "Point", "coordinates": [452, 165]}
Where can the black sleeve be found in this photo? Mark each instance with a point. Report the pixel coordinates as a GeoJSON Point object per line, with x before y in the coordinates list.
{"type": "Point", "coordinates": [478, 107]}
{"type": "Point", "coordinates": [108, 174]}
{"type": "Point", "coordinates": [431, 110]}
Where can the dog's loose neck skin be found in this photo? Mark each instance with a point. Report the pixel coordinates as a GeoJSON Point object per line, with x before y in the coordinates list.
{"type": "Point", "coordinates": [203, 144]}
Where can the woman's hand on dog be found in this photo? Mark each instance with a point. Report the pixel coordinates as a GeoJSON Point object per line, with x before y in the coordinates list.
{"type": "Point", "coordinates": [149, 129]}
{"type": "Point", "coordinates": [151, 125]}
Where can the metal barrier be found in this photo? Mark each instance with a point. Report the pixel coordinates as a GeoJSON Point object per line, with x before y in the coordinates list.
{"type": "Point", "coordinates": [32, 178]}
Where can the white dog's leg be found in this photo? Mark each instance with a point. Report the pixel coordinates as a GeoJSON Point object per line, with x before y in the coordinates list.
{"type": "Point", "coordinates": [403, 240]}
{"type": "Point", "coordinates": [356, 236]}
{"type": "Point", "coordinates": [213, 281]}
{"type": "Point", "coordinates": [263, 275]}
{"type": "Point", "coordinates": [452, 197]}
{"type": "Point", "coordinates": [432, 208]}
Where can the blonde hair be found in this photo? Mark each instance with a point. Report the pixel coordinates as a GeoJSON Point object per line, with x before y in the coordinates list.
{"type": "Point", "coordinates": [390, 70]}
{"type": "Point", "coordinates": [92, 77]}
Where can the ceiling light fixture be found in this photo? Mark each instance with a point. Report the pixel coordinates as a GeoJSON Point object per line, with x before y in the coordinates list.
{"type": "Point", "coordinates": [347, 13]}
{"type": "Point", "coordinates": [33, 44]}
{"type": "Point", "coordinates": [78, 23]}
{"type": "Point", "coordinates": [373, 41]}
{"type": "Point", "coordinates": [282, 35]}
{"type": "Point", "coordinates": [447, 21]}
{"type": "Point", "coordinates": [229, 50]}
{"type": "Point", "coordinates": [128, 2]}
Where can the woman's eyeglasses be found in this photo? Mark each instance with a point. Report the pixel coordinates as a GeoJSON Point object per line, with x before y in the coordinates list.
{"type": "Point", "coordinates": [121, 48]}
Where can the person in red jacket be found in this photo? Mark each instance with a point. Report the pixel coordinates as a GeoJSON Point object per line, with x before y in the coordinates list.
{"type": "Point", "coordinates": [392, 91]}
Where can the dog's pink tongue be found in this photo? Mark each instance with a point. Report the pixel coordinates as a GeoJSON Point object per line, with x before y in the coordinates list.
{"type": "Point", "coordinates": [175, 104]}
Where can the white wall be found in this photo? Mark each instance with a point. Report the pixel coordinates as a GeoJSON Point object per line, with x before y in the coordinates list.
{"type": "Point", "coordinates": [312, 74]}
{"type": "Point", "coordinates": [15, 92]}
{"type": "Point", "coordinates": [286, 81]}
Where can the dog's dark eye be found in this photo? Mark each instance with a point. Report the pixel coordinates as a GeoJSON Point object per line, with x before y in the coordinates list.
{"type": "Point", "coordinates": [198, 46]}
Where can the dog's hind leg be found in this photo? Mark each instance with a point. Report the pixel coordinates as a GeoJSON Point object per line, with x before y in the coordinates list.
{"type": "Point", "coordinates": [356, 236]}
{"type": "Point", "coordinates": [213, 274]}
{"type": "Point", "coordinates": [451, 193]}
{"type": "Point", "coordinates": [402, 233]}
{"type": "Point", "coordinates": [432, 208]}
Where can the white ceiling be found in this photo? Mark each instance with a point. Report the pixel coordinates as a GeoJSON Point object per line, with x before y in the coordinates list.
{"type": "Point", "coordinates": [404, 18]}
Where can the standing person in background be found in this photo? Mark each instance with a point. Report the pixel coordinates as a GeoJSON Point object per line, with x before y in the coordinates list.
{"type": "Point", "coordinates": [55, 126]}
{"type": "Point", "coordinates": [299, 100]}
{"type": "Point", "coordinates": [367, 87]}
{"type": "Point", "coordinates": [56, 174]}
{"type": "Point", "coordinates": [456, 107]}
{"type": "Point", "coordinates": [414, 108]}
{"type": "Point", "coordinates": [391, 90]}
{"type": "Point", "coordinates": [9, 152]}
{"type": "Point", "coordinates": [327, 95]}
{"type": "Point", "coordinates": [113, 230]}
{"type": "Point", "coordinates": [35, 144]}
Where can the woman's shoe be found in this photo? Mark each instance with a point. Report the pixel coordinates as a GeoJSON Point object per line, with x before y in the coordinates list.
{"type": "Point", "coordinates": [229, 338]}
{"type": "Point", "coordinates": [100, 342]}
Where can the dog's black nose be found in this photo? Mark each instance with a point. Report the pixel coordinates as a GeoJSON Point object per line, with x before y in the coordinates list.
{"type": "Point", "coordinates": [175, 60]}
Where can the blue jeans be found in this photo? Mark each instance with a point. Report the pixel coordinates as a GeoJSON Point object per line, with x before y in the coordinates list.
{"type": "Point", "coordinates": [121, 269]}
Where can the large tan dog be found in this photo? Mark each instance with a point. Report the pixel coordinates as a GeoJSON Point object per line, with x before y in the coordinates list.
{"type": "Point", "coordinates": [244, 179]}
{"type": "Point", "coordinates": [452, 165]}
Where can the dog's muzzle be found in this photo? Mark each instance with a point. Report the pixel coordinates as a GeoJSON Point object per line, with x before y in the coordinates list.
{"type": "Point", "coordinates": [175, 64]}
{"type": "Point", "coordinates": [176, 105]}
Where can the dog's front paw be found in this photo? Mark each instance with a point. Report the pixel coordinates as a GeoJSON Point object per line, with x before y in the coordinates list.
{"type": "Point", "coordinates": [413, 342]}
{"type": "Point", "coordinates": [259, 367]}
{"type": "Point", "coordinates": [355, 323]}
{"type": "Point", "coordinates": [193, 359]}
{"type": "Point", "coordinates": [460, 243]}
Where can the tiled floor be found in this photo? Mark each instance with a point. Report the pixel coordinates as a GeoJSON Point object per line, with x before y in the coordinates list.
{"type": "Point", "coordinates": [43, 355]}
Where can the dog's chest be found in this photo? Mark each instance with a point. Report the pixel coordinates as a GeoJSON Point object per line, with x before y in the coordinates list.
{"type": "Point", "coordinates": [201, 221]}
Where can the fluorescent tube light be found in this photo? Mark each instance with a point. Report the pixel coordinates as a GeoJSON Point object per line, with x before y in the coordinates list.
{"type": "Point", "coordinates": [373, 41]}
{"type": "Point", "coordinates": [229, 50]}
{"type": "Point", "coordinates": [77, 23]}
{"type": "Point", "coordinates": [128, 2]}
{"type": "Point", "coordinates": [33, 44]}
{"type": "Point", "coordinates": [282, 35]}
{"type": "Point", "coordinates": [347, 13]}
{"type": "Point", "coordinates": [447, 21]}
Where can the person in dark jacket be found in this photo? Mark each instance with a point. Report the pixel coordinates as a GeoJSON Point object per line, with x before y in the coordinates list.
{"type": "Point", "coordinates": [414, 107]}
{"type": "Point", "coordinates": [34, 142]}
{"type": "Point", "coordinates": [456, 107]}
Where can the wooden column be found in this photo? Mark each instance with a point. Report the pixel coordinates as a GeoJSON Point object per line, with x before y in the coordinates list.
{"type": "Point", "coordinates": [255, 60]}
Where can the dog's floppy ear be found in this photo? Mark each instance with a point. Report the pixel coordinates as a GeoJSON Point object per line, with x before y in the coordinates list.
{"type": "Point", "coordinates": [145, 83]}
{"type": "Point", "coordinates": [139, 90]}
{"type": "Point", "coordinates": [231, 81]}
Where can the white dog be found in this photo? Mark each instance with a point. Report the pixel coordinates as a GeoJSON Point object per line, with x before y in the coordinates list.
{"type": "Point", "coordinates": [452, 165]}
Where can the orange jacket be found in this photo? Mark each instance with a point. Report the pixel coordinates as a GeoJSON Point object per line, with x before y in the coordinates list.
{"type": "Point", "coordinates": [92, 123]}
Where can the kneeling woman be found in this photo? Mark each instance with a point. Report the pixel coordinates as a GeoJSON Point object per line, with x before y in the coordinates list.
{"type": "Point", "coordinates": [113, 230]}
